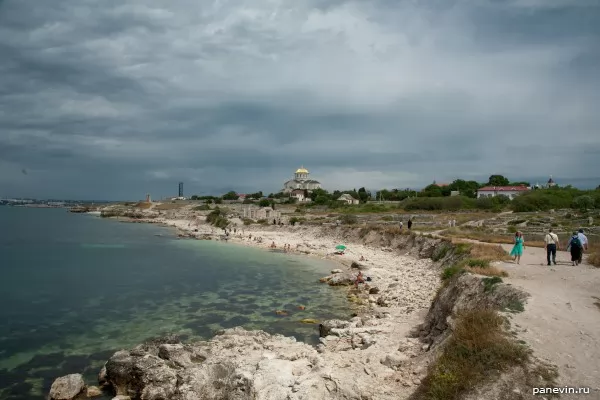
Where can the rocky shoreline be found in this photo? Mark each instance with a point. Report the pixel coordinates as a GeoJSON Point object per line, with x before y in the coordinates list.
{"type": "Point", "coordinates": [381, 353]}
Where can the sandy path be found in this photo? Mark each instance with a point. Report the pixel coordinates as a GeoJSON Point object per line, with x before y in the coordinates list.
{"type": "Point", "coordinates": [561, 321]}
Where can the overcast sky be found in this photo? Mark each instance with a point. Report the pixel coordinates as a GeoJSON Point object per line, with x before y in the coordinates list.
{"type": "Point", "coordinates": [112, 99]}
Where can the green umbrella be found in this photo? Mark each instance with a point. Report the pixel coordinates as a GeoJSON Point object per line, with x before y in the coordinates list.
{"type": "Point", "coordinates": [340, 247]}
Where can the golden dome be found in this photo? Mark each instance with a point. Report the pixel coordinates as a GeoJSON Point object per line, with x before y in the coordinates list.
{"type": "Point", "coordinates": [302, 170]}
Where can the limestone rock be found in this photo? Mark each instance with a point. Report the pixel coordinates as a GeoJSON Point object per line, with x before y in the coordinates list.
{"type": "Point", "coordinates": [342, 279]}
{"type": "Point", "coordinates": [67, 387]}
{"type": "Point", "coordinates": [236, 364]}
{"type": "Point", "coordinates": [394, 360]}
{"type": "Point", "coordinates": [93, 391]}
{"type": "Point", "coordinates": [336, 271]}
{"type": "Point", "coordinates": [102, 380]}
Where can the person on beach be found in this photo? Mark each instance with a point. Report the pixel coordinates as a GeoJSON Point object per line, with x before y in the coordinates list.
{"type": "Point", "coordinates": [273, 246]}
{"type": "Point", "coordinates": [575, 248]}
{"type": "Point", "coordinates": [584, 244]}
{"type": "Point", "coordinates": [551, 245]}
{"type": "Point", "coordinates": [359, 279]}
{"type": "Point", "coordinates": [517, 250]}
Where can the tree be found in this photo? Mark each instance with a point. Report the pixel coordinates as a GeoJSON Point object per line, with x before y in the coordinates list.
{"type": "Point", "coordinates": [583, 203]}
{"type": "Point", "coordinates": [432, 190]}
{"type": "Point", "coordinates": [231, 195]}
{"type": "Point", "coordinates": [498, 180]}
{"type": "Point", "coordinates": [466, 188]}
{"type": "Point", "coordinates": [264, 203]}
{"type": "Point", "coordinates": [363, 195]}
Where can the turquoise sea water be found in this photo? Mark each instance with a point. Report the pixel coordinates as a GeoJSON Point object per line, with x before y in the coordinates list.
{"type": "Point", "coordinates": [75, 288]}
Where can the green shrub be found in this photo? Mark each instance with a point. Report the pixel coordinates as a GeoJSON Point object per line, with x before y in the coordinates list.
{"type": "Point", "coordinates": [440, 252]}
{"type": "Point", "coordinates": [203, 207]}
{"type": "Point", "coordinates": [450, 272]}
{"type": "Point", "coordinates": [477, 263]}
{"type": "Point", "coordinates": [248, 221]}
{"type": "Point", "coordinates": [462, 248]}
{"type": "Point", "coordinates": [488, 283]}
{"type": "Point", "coordinates": [478, 349]}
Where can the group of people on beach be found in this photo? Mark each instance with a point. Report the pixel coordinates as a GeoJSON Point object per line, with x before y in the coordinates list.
{"type": "Point", "coordinates": [576, 245]}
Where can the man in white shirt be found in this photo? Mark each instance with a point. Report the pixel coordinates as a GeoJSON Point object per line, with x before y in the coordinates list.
{"type": "Point", "coordinates": [584, 244]}
{"type": "Point", "coordinates": [551, 245]}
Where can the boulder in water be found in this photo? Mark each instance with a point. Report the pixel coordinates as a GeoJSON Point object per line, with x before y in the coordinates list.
{"type": "Point", "coordinates": [67, 387]}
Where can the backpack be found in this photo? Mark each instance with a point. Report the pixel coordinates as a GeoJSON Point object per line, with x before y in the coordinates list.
{"type": "Point", "coordinates": [575, 242]}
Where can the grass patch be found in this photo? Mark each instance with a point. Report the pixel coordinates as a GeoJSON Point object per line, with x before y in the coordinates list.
{"type": "Point", "coordinates": [487, 271]}
{"type": "Point", "coordinates": [203, 207]}
{"type": "Point", "coordinates": [490, 283]}
{"type": "Point", "coordinates": [490, 252]}
{"type": "Point", "coordinates": [143, 205]}
{"type": "Point", "coordinates": [169, 206]}
{"type": "Point", "coordinates": [478, 348]}
{"type": "Point", "coordinates": [452, 271]}
{"type": "Point", "coordinates": [440, 252]}
{"type": "Point", "coordinates": [594, 255]}
{"type": "Point", "coordinates": [462, 248]}
{"type": "Point", "coordinates": [514, 306]}
{"type": "Point", "coordinates": [477, 263]}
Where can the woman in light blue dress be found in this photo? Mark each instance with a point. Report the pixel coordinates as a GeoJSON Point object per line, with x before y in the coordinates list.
{"type": "Point", "coordinates": [517, 250]}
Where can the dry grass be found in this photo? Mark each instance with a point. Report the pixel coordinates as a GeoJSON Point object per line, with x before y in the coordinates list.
{"type": "Point", "coordinates": [594, 255]}
{"type": "Point", "coordinates": [170, 206]}
{"type": "Point", "coordinates": [477, 350]}
{"type": "Point", "coordinates": [143, 205]}
{"type": "Point", "coordinates": [490, 252]}
{"type": "Point", "coordinates": [487, 271]}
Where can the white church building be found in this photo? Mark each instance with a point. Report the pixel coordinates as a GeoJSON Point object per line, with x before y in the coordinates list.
{"type": "Point", "coordinates": [300, 182]}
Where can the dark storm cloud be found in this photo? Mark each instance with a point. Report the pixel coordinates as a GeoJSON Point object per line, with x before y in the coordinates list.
{"type": "Point", "coordinates": [114, 99]}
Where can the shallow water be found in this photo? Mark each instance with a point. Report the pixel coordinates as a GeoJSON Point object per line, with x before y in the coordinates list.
{"type": "Point", "coordinates": [75, 288]}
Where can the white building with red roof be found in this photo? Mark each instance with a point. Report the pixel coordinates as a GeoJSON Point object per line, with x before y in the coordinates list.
{"type": "Point", "coordinates": [508, 191]}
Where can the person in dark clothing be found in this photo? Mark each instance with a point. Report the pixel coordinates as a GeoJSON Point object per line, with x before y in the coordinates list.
{"type": "Point", "coordinates": [576, 249]}
{"type": "Point", "coordinates": [551, 244]}
{"type": "Point", "coordinates": [409, 223]}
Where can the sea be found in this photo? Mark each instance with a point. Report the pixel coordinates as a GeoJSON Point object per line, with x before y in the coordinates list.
{"type": "Point", "coordinates": [75, 288]}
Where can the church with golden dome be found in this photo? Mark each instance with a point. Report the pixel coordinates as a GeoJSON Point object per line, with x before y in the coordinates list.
{"type": "Point", "coordinates": [301, 181]}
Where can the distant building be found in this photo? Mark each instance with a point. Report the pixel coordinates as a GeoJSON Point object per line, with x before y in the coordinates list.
{"type": "Point", "coordinates": [551, 182]}
{"type": "Point", "coordinates": [301, 181]}
{"type": "Point", "coordinates": [299, 195]}
{"type": "Point", "coordinates": [180, 189]}
{"type": "Point", "coordinates": [508, 191]}
{"type": "Point", "coordinates": [348, 199]}
{"type": "Point", "coordinates": [267, 213]}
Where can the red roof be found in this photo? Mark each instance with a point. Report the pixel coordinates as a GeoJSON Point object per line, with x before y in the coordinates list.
{"type": "Point", "coordinates": [503, 189]}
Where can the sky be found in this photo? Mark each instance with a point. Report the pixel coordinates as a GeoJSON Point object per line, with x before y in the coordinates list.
{"type": "Point", "coordinates": [107, 99]}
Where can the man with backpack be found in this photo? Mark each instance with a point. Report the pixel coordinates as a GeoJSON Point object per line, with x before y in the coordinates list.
{"type": "Point", "coordinates": [551, 245]}
{"type": "Point", "coordinates": [584, 244]}
{"type": "Point", "coordinates": [576, 248]}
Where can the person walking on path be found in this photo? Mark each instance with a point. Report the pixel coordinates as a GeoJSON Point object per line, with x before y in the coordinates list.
{"type": "Point", "coordinates": [584, 244]}
{"type": "Point", "coordinates": [551, 245]}
{"type": "Point", "coordinates": [517, 250]}
{"type": "Point", "coordinates": [576, 248]}
{"type": "Point", "coordinates": [409, 223]}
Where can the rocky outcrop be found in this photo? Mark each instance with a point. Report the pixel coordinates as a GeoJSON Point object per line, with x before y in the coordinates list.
{"type": "Point", "coordinates": [236, 364]}
{"type": "Point", "coordinates": [67, 387]}
{"type": "Point", "coordinates": [464, 293]}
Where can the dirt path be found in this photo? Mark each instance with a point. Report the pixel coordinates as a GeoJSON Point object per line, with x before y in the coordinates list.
{"type": "Point", "coordinates": [561, 321]}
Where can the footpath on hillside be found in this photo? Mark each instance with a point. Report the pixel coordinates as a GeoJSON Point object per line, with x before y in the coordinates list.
{"type": "Point", "coordinates": [561, 320]}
